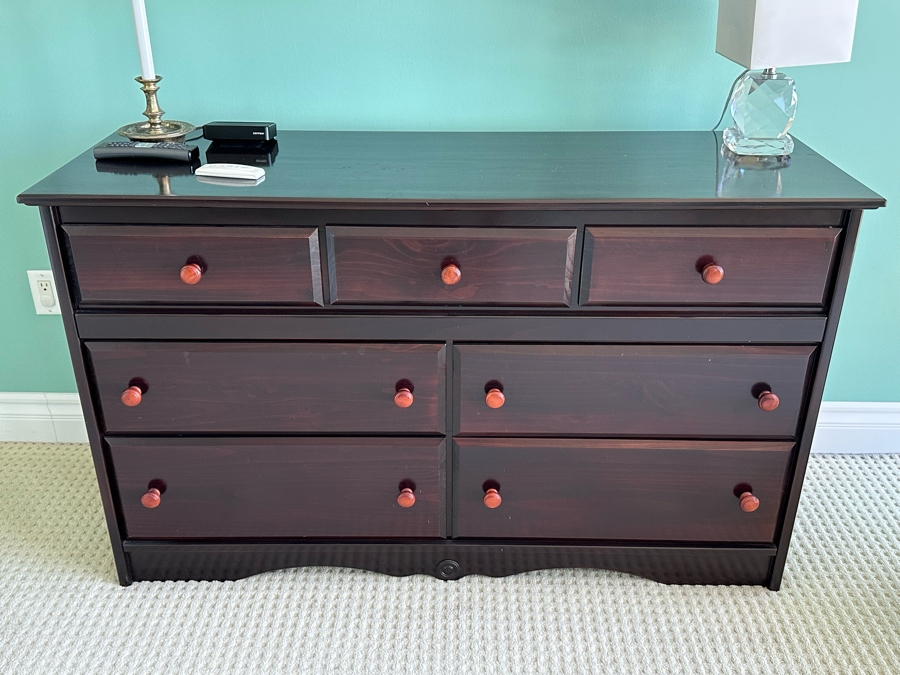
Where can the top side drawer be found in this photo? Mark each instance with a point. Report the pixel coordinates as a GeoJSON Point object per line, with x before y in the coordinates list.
{"type": "Point", "coordinates": [120, 265]}
{"type": "Point", "coordinates": [451, 266]}
{"type": "Point", "coordinates": [744, 266]}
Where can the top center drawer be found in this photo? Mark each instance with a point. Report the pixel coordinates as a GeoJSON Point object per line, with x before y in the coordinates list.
{"type": "Point", "coordinates": [451, 266]}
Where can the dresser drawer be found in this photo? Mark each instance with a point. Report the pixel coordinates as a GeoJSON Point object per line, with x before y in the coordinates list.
{"type": "Point", "coordinates": [277, 487]}
{"type": "Point", "coordinates": [451, 266]}
{"type": "Point", "coordinates": [266, 387]}
{"type": "Point", "coordinates": [117, 265]}
{"type": "Point", "coordinates": [623, 490]}
{"type": "Point", "coordinates": [707, 266]}
{"type": "Point", "coordinates": [631, 390]}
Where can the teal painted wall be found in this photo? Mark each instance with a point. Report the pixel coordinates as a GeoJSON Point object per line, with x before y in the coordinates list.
{"type": "Point", "coordinates": [66, 72]}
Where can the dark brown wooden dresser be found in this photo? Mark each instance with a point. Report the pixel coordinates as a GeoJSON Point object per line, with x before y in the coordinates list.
{"type": "Point", "coordinates": [455, 353]}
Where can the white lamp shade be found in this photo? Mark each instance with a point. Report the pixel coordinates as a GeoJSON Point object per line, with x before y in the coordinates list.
{"type": "Point", "coordinates": [782, 33]}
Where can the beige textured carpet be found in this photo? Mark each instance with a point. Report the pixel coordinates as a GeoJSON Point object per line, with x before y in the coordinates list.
{"type": "Point", "coordinates": [61, 610]}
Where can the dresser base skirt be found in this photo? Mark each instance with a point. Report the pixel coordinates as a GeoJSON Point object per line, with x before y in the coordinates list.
{"type": "Point", "coordinates": [209, 561]}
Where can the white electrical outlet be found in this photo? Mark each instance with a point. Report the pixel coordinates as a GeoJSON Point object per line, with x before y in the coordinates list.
{"type": "Point", "coordinates": [43, 291]}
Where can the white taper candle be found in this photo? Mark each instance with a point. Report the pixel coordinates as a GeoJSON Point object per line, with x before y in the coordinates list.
{"type": "Point", "coordinates": [143, 39]}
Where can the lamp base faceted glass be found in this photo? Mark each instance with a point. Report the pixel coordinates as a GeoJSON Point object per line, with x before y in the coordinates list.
{"type": "Point", "coordinates": [739, 144]}
{"type": "Point", "coordinates": [763, 106]}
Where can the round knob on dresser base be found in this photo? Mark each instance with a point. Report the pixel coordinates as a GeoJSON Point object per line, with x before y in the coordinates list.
{"type": "Point", "coordinates": [712, 273]}
{"type": "Point", "coordinates": [768, 401]}
{"type": "Point", "coordinates": [132, 396]}
{"type": "Point", "coordinates": [492, 498]}
{"type": "Point", "coordinates": [451, 274]}
{"type": "Point", "coordinates": [406, 498]}
{"type": "Point", "coordinates": [403, 398]}
{"type": "Point", "coordinates": [495, 398]}
{"type": "Point", "coordinates": [749, 503]}
{"type": "Point", "coordinates": [151, 498]}
{"type": "Point", "coordinates": [191, 273]}
{"type": "Point", "coordinates": [448, 569]}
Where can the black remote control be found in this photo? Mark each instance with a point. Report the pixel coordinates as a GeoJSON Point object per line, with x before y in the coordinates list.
{"type": "Point", "coordinates": [174, 152]}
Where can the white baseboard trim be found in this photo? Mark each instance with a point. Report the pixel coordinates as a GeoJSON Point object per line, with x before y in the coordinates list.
{"type": "Point", "coordinates": [52, 418]}
{"type": "Point", "coordinates": [858, 428]}
{"type": "Point", "coordinates": [843, 427]}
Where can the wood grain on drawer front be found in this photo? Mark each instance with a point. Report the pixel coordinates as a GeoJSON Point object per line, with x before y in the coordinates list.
{"type": "Point", "coordinates": [624, 490]}
{"type": "Point", "coordinates": [497, 266]}
{"type": "Point", "coordinates": [631, 390]}
{"type": "Point", "coordinates": [664, 266]}
{"type": "Point", "coordinates": [142, 264]}
{"type": "Point", "coordinates": [279, 487]}
{"type": "Point", "coordinates": [269, 387]}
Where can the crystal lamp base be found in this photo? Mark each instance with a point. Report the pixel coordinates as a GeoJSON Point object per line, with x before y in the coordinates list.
{"type": "Point", "coordinates": [763, 107]}
{"type": "Point", "coordinates": [740, 144]}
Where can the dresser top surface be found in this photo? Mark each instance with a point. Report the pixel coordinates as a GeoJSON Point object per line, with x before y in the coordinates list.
{"type": "Point", "coordinates": [428, 169]}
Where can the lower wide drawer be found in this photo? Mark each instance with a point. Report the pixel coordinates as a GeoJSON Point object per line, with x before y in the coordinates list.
{"type": "Point", "coordinates": [666, 391]}
{"type": "Point", "coordinates": [325, 487]}
{"type": "Point", "coordinates": [619, 490]}
{"type": "Point", "coordinates": [268, 387]}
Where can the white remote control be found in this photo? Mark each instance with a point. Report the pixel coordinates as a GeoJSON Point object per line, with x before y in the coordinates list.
{"type": "Point", "coordinates": [241, 171]}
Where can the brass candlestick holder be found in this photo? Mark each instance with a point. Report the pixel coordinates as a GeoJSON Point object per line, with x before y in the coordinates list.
{"type": "Point", "coordinates": [155, 129]}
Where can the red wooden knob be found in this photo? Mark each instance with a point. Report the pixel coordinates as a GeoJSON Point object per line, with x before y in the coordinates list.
{"type": "Point", "coordinates": [495, 398]}
{"type": "Point", "coordinates": [712, 273]}
{"type": "Point", "coordinates": [403, 398]}
{"type": "Point", "coordinates": [151, 498]}
{"type": "Point", "coordinates": [768, 401]}
{"type": "Point", "coordinates": [406, 498]}
{"type": "Point", "coordinates": [749, 503]}
{"type": "Point", "coordinates": [191, 273]}
{"type": "Point", "coordinates": [451, 274]}
{"type": "Point", "coordinates": [492, 498]}
{"type": "Point", "coordinates": [132, 396]}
